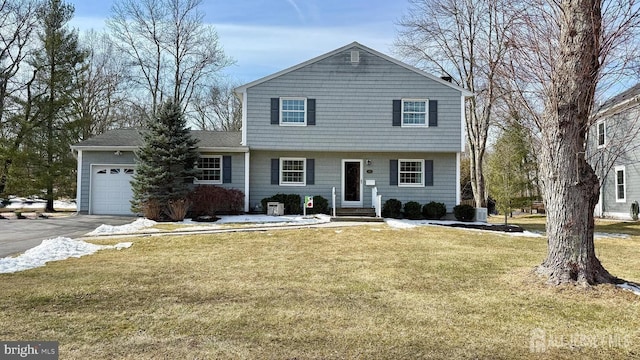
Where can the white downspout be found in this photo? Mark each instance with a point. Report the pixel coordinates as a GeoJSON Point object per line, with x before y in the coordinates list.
{"type": "Point", "coordinates": [247, 160]}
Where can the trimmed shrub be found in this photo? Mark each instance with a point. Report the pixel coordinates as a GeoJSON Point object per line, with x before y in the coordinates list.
{"type": "Point", "coordinates": [434, 210]}
{"type": "Point", "coordinates": [320, 206]}
{"type": "Point", "coordinates": [392, 208]}
{"type": "Point", "coordinates": [464, 212]}
{"type": "Point", "coordinates": [292, 203]}
{"type": "Point", "coordinates": [412, 210]}
{"type": "Point", "coordinates": [152, 210]}
{"type": "Point", "coordinates": [177, 209]}
{"type": "Point", "coordinates": [209, 200]}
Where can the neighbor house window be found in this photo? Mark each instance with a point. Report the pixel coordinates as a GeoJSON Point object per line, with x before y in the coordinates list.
{"type": "Point", "coordinates": [621, 188]}
{"type": "Point", "coordinates": [209, 170]}
{"type": "Point", "coordinates": [293, 111]}
{"type": "Point", "coordinates": [601, 133]}
{"type": "Point", "coordinates": [414, 113]}
{"type": "Point", "coordinates": [411, 173]}
{"type": "Point", "coordinates": [292, 171]}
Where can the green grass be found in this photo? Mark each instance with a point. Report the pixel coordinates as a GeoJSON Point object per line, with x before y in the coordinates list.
{"type": "Point", "coordinates": [368, 292]}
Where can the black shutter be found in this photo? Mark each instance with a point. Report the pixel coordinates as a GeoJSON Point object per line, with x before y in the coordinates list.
{"type": "Point", "coordinates": [397, 112]}
{"type": "Point", "coordinates": [428, 173]}
{"type": "Point", "coordinates": [393, 172]}
{"type": "Point", "coordinates": [311, 172]}
{"type": "Point", "coordinates": [433, 113]}
{"type": "Point", "coordinates": [275, 171]}
{"type": "Point", "coordinates": [311, 111]}
{"type": "Point", "coordinates": [226, 169]}
{"type": "Point", "coordinates": [275, 111]}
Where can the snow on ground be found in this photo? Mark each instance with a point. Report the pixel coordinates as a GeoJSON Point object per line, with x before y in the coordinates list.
{"type": "Point", "coordinates": [24, 203]}
{"type": "Point", "coordinates": [631, 287]}
{"type": "Point", "coordinates": [408, 224]}
{"type": "Point", "coordinates": [59, 248]}
{"type": "Point", "coordinates": [136, 226]}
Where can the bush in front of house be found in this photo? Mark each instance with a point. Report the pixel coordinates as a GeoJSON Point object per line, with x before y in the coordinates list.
{"type": "Point", "coordinates": [464, 212]}
{"type": "Point", "coordinates": [413, 210]}
{"type": "Point", "coordinates": [292, 203]}
{"type": "Point", "coordinates": [392, 208]}
{"type": "Point", "coordinates": [320, 206]}
{"type": "Point", "coordinates": [434, 210]}
{"type": "Point", "coordinates": [209, 200]}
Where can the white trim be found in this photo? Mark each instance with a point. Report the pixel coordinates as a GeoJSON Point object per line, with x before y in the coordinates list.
{"type": "Point", "coordinates": [243, 141]}
{"type": "Point", "coordinates": [343, 202]}
{"type": "Point", "coordinates": [463, 124]}
{"type": "Point", "coordinates": [304, 111]}
{"type": "Point", "coordinates": [104, 148]}
{"type": "Point", "coordinates": [617, 215]}
{"type": "Point", "coordinates": [458, 189]}
{"type": "Point", "coordinates": [210, 182]}
{"type": "Point", "coordinates": [304, 172]}
{"type": "Point", "coordinates": [426, 113]}
{"type": "Point", "coordinates": [463, 91]}
{"type": "Point", "coordinates": [247, 167]}
{"type": "Point", "coordinates": [79, 181]}
{"type": "Point", "coordinates": [624, 183]}
{"type": "Point", "coordinates": [421, 184]}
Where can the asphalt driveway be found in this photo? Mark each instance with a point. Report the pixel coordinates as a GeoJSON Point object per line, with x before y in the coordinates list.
{"type": "Point", "coordinates": [16, 236]}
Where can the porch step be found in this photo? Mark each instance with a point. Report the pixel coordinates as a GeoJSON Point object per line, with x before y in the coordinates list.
{"type": "Point", "coordinates": [357, 219]}
{"type": "Point", "coordinates": [358, 212]}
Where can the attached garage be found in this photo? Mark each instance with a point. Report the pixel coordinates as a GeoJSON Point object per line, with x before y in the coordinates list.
{"type": "Point", "coordinates": [111, 191]}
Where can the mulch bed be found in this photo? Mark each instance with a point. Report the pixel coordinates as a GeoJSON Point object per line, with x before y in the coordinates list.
{"type": "Point", "coordinates": [503, 228]}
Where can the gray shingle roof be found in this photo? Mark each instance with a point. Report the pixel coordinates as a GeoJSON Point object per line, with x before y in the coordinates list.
{"type": "Point", "coordinates": [623, 96]}
{"type": "Point", "coordinates": [131, 138]}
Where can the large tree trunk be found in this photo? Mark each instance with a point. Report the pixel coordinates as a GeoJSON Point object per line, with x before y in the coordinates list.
{"type": "Point", "coordinates": [570, 184]}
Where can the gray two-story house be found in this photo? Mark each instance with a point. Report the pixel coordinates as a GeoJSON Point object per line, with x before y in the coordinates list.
{"type": "Point", "coordinates": [353, 125]}
{"type": "Point", "coordinates": [614, 153]}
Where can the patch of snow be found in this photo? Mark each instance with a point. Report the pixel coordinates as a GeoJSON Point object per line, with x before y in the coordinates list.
{"type": "Point", "coordinates": [36, 203]}
{"type": "Point", "coordinates": [64, 205]}
{"type": "Point", "coordinates": [409, 224]}
{"type": "Point", "coordinates": [600, 235]}
{"type": "Point", "coordinates": [631, 287]}
{"type": "Point", "coordinates": [139, 224]}
{"type": "Point", "coordinates": [59, 248]}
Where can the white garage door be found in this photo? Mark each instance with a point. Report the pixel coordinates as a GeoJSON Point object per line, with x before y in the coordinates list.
{"type": "Point", "coordinates": [111, 189]}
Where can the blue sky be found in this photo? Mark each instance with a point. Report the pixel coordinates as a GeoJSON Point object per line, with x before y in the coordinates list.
{"type": "Point", "coordinates": [264, 37]}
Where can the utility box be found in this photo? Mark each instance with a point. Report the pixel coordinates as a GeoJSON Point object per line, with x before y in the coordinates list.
{"type": "Point", "coordinates": [275, 209]}
{"type": "Point", "coordinates": [481, 215]}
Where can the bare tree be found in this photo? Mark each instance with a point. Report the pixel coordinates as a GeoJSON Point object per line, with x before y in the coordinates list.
{"type": "Point", "coordinates": [220, 109]}
{"type": "Point", "coordinates": [560, 53]}
{"type": "Point", "coordinates": [174, 53]}
{"type": "Point", "coordinates": [466, 40]}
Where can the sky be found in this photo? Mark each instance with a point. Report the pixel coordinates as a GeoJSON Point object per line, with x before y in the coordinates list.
{"type": "Point", "coordinates": [264, 37]}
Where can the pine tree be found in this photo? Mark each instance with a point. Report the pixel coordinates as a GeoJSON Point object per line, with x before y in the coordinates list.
{"type": "Point", "coordinates": [165, 161]}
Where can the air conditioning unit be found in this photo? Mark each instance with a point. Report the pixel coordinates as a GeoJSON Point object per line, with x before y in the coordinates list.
{"type": "Point", "coordinates": [275, 209]}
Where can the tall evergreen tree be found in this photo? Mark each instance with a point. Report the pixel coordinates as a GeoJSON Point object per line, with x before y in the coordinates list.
{"type": "Point", "coordinates": [166, 159]}
{"type": "Point", "coordinates": [56, 66]}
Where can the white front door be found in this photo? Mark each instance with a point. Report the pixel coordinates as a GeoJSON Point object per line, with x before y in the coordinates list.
{"type": "Point", "coordinates": [352, 183]}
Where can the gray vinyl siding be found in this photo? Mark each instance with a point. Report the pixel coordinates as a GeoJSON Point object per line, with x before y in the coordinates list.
{"type": "Point", "coordinates": [98, 158]}
{"type": "Point", "coordinates": [621, 149]}
{"type": "Point", "coordinates": [354, 108]}
{"type": "Point", "coordinates": [108, 158]}
{"type": "Point", "coordinates": [328, 174]}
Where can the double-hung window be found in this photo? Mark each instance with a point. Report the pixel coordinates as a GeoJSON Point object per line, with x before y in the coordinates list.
{"type": "Point", "coordinates": [414, 113]}
{"type": "Point", "coordinates": [292, 171]}
{"type": "Point", "coordinates": [411, 173]}
{"type": "Point", "coordinates": [209, 170]}
{"type": "Point", "coordinates": [293, 111]}
{"type": "Point", "coordinates": [621, 189]}
{"type": "Point", "coordinates": [601, 133]}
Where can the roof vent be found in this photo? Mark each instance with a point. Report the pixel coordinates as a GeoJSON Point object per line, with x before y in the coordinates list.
{"type": "Point", "coordinates": [355, 56]}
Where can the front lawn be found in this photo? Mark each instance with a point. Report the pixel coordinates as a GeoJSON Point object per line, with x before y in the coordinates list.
{"type": "Point", "coordinates": [367, 292]}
